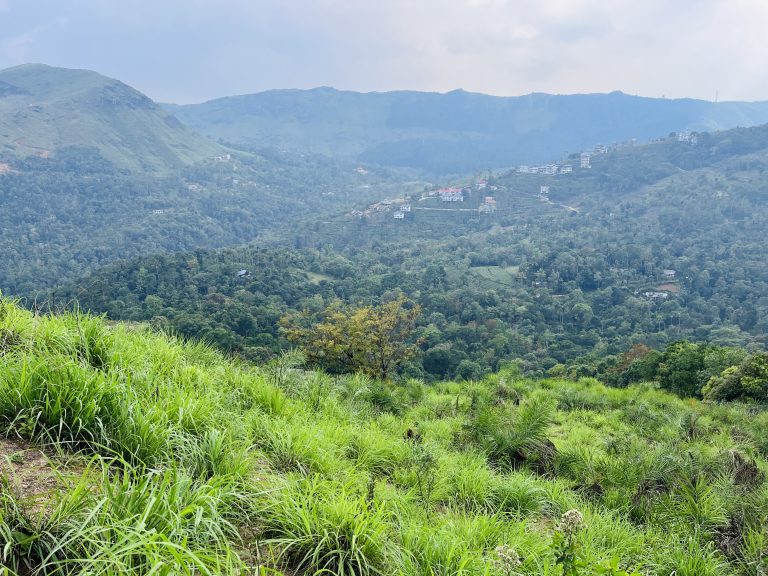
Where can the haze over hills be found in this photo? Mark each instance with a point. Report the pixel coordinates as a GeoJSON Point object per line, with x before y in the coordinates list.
{"type": "Point", "coordinates": [453, 132]}
{"type": "Point", "coordinates": [44, 109]}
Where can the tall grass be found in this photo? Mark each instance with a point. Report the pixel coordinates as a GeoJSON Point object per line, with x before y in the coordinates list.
{"type": "Point", "coordinates": [199, 464]}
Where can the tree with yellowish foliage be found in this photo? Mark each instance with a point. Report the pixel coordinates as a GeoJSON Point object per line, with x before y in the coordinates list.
{"type": "Point", "coordinates": [368, 339]}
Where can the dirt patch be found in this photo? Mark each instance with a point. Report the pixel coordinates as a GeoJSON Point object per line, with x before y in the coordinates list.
{"type": "Point", "coordinates": [5, 168]}
{"type": "Point", "coordinates": [28, 472]}
{"type": "Point", "coordinates": [669, 287]}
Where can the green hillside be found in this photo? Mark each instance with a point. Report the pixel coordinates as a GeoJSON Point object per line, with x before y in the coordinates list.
{"type": "Point", "coordinates": [576, 278]}
{"type": "Point", "coordinates": [44, 109]}
{"type": "Point", "coordinates": [73, 211]}
{"type": "Point", "coordinates": [454, 132]}
{"type": "Point", "coordinates": [163, 457]}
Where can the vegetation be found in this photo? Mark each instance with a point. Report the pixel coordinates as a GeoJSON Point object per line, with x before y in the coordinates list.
{"type": "Point", "coordinates": [535, 282]}
{"type": "Point", "coordinates": [453, 133]}
{"type": "Point", "coordinates": [371, 340]}
{"type": "Point", "coordinates": [43, 109]}
{"type": "Point", "coordinates": [166, 457]}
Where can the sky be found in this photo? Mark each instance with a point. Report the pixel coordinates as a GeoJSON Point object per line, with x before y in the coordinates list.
{"type": "Point", "coordinates": [187, 51]}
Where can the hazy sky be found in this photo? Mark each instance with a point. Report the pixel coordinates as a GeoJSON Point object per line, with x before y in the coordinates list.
{"type": "Point", "coordinates": [192, 50]}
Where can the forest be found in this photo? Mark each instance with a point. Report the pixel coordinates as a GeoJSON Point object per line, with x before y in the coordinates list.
{"type": "Point", "coordinates": [65, 215]}
{"type": "Point", "coordinates": [635, 250]}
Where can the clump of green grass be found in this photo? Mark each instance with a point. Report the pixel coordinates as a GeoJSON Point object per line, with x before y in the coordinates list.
{"type": "Point", "coordinates": [133, 521]}
{"type": "Point", "coordinates": [318, 526]}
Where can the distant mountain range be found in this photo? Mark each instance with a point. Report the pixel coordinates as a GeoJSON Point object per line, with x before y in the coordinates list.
{"type": "Point", "coordinates": [44, 109]}
{"type": "Point", "coordinates": [454, 132]}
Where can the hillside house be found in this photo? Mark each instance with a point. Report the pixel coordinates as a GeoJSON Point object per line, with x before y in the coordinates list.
{"type": "Point", "coordinates": [669, 274]}
{"type": "Point", "coordinates": [566, 169]}
{"type": "Point", "coordinates": [488, 205]}
{"type": "Point", "coordinates": [242, 273]}
{"type": "Point", "coordinates": [399, 215]}
{"type": "Point", "coordinates": [600, 149]}
{"type": "Point", "coordinates": [543, 190]}
{"type": "Point", "coordinates": [656, 296]}
{"type": "Point", "coordinates": [405, 208]}
{"type": "Point", "coordinates": [585, 160]}
{"type": "Point", "coordinates": [451, 195]}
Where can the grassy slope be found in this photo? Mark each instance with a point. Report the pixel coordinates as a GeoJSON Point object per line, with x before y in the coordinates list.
{"type": "Point", "coordinates": [48, 108]}
{"type": "Point", "coordinates": [194, 464]}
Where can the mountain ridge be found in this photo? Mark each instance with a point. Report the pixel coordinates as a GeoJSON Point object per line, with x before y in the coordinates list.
{"type": "Point", "coordinates": [452, 132]}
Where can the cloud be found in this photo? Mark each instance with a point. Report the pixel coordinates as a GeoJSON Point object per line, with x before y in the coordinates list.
{"type": "Point", "coordinates": [187, 50]}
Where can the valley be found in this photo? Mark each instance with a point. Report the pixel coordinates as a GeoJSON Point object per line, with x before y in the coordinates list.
{"type": "Point", "coordinates": [402, 333]}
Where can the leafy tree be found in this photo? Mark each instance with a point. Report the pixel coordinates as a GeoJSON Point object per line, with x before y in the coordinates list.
{"type": "Point", "coordinates": [369, 339]}
{"type": "Point", "coordinates": [637, 364]}
{"type": "Point", "coordinates": [747, 381]}
{"type": "Point", "coordinates": [679, 371]}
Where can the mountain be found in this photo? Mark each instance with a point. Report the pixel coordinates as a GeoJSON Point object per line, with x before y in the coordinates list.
{"type": "Point", "coordinates": [454, 132]}
{"type": "Point", "coordinates": [44, 109]}
{"type": "Point", "coordinates": [92, 170]}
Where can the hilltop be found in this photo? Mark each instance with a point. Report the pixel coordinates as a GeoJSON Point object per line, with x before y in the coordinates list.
{"type": "Point", "coordinates": [454, 132]}
{"type": "Point", "coordinates": [45, 109]}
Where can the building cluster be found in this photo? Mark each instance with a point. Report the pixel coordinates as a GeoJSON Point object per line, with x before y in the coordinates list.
{"type": "Point", "coordinates": [401, 206]}
{"type": "Point", "coordinates": [654, 296]}
{"type": "Point", "coordinates": [550, 169]}
{"type": "Point", "coordinates": [547, 169]}
{"type": "Point", "coordinates": [687, 137]}
{"type": "Point", "coordinates": [400, 214]}
{"type": "Point", "coordinates": [449, 194]}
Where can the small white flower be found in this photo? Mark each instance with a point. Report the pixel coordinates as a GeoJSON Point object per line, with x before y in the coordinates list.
{"type": "Point", "coordinates": [507, 559]}
{"type": "Point", "coordinates": [571, 522]}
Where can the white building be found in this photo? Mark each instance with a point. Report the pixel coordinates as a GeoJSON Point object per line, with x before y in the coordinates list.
{"type": "Point", "coordinates": [451, 195]}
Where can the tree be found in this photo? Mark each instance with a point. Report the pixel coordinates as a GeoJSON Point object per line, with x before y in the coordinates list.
{"type": "Point", "coordinates": [680, 369]}
{"type": "Point", "coordinates": [747, 381]}
{"type": "Point", "coordinates": [369, 339]}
